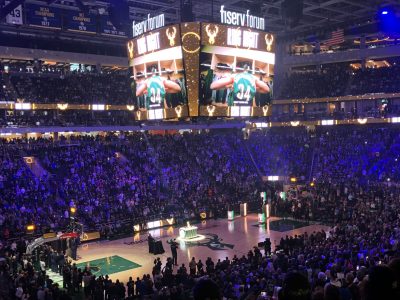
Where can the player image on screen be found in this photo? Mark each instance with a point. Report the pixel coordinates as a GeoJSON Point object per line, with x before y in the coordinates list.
{"type": "Point", "coordinates": [158, 75]}
{"type": "Point", "coordinates": [236, 67]}
{"type": "Point", "coordinates": [155, 89]}
{"type": "Point", "coordinates": [242, 87]}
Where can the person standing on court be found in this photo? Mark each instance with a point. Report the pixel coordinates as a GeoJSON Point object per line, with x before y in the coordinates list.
{"type": "Point", "coordinates": [174, 247]}
{"type": "Point", "coordinates": [130, 287]}
{"type": "Point", "coordinates": [192, 266]}
{"type": "Point", "coordinates": [150, 240]}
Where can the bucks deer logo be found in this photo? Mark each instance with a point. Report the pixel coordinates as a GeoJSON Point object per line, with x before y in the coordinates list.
{"type": "Point", "coordinates": [210, 110]}
{"type": "Point", "coordinates": [62, 106]}
{"type": "Point", "coordinates": [211, 241]}
{"type": "Point", "coordinates": [269, 39]}
{"type": "Point", "coordinates": [171, 36]}
{"type": "Point", "coordinates": [211, 34]}
{"type": "Point", "coordinates": [130, 49]}
{"type": "Point", "coordinates": [265, 110]}
{"type": "Point", "coordinates": [178, 111]}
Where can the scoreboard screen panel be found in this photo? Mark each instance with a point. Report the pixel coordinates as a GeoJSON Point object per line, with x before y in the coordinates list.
{"type": "Point", "coordinates": [236, 70]}
{"type": "Point", "coordinates": [158, 73]}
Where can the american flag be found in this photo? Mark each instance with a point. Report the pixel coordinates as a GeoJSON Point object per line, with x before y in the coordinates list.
{"type": "Point", "coordinates": [337, 37]}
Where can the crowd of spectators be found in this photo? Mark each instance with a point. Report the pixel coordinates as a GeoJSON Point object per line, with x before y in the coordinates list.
{"type": "Point", "coordinates": [138, 176]}
{"type": "Point", "coordinates": [329, 81]}
{"type": "Point", "coordinates": [149, 175]}
{"type": "Point", "coordinates": [73, 88]}
{"type": "Point", "coordinates": [146, 175]}
{"type": "Point", "coordinates": [49, 84]}
{"type": "Point", "coordinates": [340, 80]}
{"type": "Point", "coordinates": [36, 118]}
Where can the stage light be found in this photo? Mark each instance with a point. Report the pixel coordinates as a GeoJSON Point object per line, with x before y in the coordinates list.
{"type": "Point", "coordinates": [267, 210]}
{"type": "Point", "coordinates": [388, 21]}
{"type": "Point", "coordinates": [293, 179]}
{"type": "Point", "coordinates": [261, 218]}
{"type": "Point", "coordinates": [231, 215]}
{"type": "Point", "coordinates": [30, 227]}
{"type": "Point", "coordinates": [72, 210]}
{"type": "Point", "coordinates": [28, 159]}
{"type": "Point", "coordinates": [312, 184]}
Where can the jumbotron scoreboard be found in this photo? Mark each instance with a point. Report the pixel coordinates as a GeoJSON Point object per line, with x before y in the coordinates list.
{"type": "Point", "coordinates": [202, 69]}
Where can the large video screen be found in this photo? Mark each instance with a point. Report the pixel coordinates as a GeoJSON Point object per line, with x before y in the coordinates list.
{"type": "Point", "coordinates": [236, 71]}
{"type": "Point", "coordinates": [158, 74]}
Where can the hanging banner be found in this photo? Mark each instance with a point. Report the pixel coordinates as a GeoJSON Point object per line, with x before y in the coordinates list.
{"type": "Point", "coordinates": [43, 16]}
{"type": "Point", "coordinates": [15, 16]}
{"type": "Point", "coordinates": [107, 27]}
{"type": "Point", "coordinates": [79, 21]}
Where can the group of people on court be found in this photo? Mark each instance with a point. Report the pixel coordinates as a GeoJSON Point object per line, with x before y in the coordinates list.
{"type": "Point", "coordinates": [153, 248]}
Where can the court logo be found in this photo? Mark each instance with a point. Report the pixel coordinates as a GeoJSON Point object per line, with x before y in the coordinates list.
{"type": "Point", "coordinates": [212, 242]}
{"type": "Point", "coordinates": [212, 34]}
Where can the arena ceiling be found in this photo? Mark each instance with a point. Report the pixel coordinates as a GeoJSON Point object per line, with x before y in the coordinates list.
{"type": "Point", "coordinates": [317, 14]}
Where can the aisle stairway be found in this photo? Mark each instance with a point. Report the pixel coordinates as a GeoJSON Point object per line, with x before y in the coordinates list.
{"type": "Point", "coordinates": [34, 165]}
{"type": "Point", "coordinates": [9, 89]}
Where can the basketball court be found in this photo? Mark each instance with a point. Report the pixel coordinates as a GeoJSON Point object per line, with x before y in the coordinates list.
{"type": "Point", "coordinates": [127, 257]}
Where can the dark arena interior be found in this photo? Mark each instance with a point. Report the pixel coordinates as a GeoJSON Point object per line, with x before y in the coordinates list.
{"type": "Point", "coordinates": [206, 150]}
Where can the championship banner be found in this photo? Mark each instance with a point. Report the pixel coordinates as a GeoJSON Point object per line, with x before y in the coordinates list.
{"type": "Point", "coordinates": [79, 21]}
{"type": "Point", "coordinates": [107, 27]}
{"type": "Point", "coordinates": [43, 16]}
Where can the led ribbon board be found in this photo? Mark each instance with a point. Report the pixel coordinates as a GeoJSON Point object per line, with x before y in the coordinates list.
{"type": "Point", "coordinates": [151, 23]}
{"type": "Point", "coordinates": [241, 19]}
